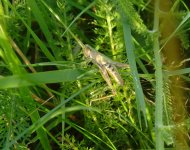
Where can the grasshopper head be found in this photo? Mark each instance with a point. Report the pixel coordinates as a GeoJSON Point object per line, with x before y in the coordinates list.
{"type": "Point", "coordinates": [87, 51]}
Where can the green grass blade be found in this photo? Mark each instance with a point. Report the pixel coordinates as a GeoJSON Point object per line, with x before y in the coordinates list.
{"type": "Point", "coordinates": [36, 38]}
{"type": "Point", "coordinates": [16, 81]}
{"type": "Point", "coordinates": [78, 16]}
{"type": "Point", "coordinates": [131, 58]}
{"type": "Point", "coordinates": [177, 72]}
{"type": "Point", "coordinates": [60, 20]}
{"type": "Point", "coordinates": [75, 4]}
{"type": "Point", "coordinates": [91, 136]}
{"type": "Point", "coordinates": [41, 133]}
{"type": "Point", "coordinates": [185, 19]}
{"type": "Point", "coordinates": [42, 21]}
{"type": "Point", "coordinates": [14, 66]}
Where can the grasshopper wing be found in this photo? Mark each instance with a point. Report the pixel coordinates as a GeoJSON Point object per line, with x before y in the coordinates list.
{"type": "Point", "coordinates": [113, 72]}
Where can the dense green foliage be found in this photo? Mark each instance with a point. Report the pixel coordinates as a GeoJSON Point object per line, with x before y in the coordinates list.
{"type": "Point", "coordinates": [52, 97]}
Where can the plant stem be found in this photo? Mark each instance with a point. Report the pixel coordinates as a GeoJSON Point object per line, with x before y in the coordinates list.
{"type": "Point", "coordinates": [159, 81]}
{"type": "Point", "coordinates": [110, 35]}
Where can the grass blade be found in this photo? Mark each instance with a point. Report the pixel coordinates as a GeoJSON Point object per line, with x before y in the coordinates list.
{"type": "Point", "coordinates": [16, 81]}
{"type": "Point", "coordinates": [131, 58]}
{"type": "Point", "coordinates": [54, 112]}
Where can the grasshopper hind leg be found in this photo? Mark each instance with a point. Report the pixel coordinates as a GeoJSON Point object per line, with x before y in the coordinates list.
{"type": "Point", "coordinates": [106, 78]}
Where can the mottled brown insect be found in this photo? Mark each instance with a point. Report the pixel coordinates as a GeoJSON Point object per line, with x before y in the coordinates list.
{"type": "Point", "coordinates": [106, 65]}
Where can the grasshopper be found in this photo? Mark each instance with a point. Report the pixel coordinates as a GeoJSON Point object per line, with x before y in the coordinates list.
{"type": "Point", "coordinates": [106, 65]}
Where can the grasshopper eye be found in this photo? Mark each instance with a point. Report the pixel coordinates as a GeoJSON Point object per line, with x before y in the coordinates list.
{"type": "Point", "coordinates": [86, 52]}
{"type": "Point", "coordinates": [109, 66]}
